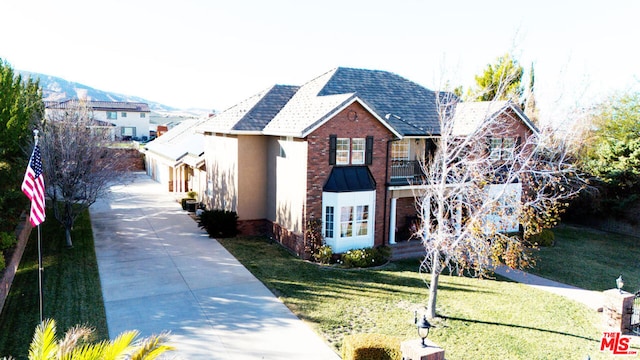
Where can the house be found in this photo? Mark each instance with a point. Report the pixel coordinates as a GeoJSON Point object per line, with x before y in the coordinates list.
{"type": "Point", "coordinates": [344, 148]}
{"type": "Point", "coordinates": [176, 159]}
{"type": "Point", "coordinates": [122, 120]}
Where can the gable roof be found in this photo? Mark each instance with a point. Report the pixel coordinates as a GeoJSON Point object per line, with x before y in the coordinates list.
{"type": "Point", "coordinates": [468, 116]}
{"type": "Point", "coordinates": [405, 107]}
{"type": "Point", "coordinates": [180, 141]}
{"type": "Point", "coordinates": [252, 114]}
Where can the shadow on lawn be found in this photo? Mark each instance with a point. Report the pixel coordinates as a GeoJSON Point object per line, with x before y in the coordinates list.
{"type": "Point", "coordinates": [519, 327]}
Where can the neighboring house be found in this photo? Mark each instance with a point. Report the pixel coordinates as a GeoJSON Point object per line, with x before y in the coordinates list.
{"type": "Point", "coordinates": [343, 148]}
{"type": "Point", "coordinates": [123, 120]}
{"type": "Point", "coordinates": [176, 159]}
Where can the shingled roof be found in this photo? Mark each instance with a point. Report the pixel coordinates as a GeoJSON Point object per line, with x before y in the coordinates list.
{"type": "Point", "coordinates": [404, 106]}
{"type": "Point", "coordinates": [252, 114]}
{"type": "Point", "coordinates": [467, 117]}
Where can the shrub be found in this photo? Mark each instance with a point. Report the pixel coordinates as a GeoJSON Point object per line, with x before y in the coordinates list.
{"type": "Point", "coordinates": [2, 263]}
{"type": "Point", "coordinates": [219, 223]}
{"type": "Point", "coordinates": [367, 257]}
{"type": "Point", "coordinates": [313, 238]}
{"type": "Point", "coordinates": [371, 347]}
{"type": "Point", "coordinates": [324, 254]}
{"type": "Point", "coordinates": [544, 238]}
{"type": "Point", "coordinates": [7, 240]}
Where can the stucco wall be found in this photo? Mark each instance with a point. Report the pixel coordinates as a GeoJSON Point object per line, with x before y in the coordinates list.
{"type": "Point", "coordinates": [291, 184]}
{"type": "Point", "coordinates": [252, 175]}
{"type": "Point", "coordinates": [222, 167]}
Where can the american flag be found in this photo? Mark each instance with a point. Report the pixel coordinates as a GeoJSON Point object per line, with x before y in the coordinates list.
{"type": "Point", "coordinates": [33, 187]}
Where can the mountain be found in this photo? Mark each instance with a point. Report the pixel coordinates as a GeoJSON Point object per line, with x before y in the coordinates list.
{"type": "Point", "coordinates": [58, 89]}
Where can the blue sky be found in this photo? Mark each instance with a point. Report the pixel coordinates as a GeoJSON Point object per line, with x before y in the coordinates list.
{"type": "Point", "coordinates": [212, 54]}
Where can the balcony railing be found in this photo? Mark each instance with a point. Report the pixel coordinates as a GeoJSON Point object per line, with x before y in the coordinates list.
{"type": "Point", "coordinates": [406, 171]}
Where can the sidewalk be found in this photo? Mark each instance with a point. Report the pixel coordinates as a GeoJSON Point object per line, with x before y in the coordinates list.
{"type": "Point", "coordinates": [593, 299]}
{"type": "Point", "coordinates": [160, 272]}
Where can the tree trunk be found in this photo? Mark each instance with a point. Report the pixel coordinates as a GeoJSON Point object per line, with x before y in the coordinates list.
{"type": "Point", "coordinates": [433, 285]}
{"type": "Point", "coordinates": [67, 233]}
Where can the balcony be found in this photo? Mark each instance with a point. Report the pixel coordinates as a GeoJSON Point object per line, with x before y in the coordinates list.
{"type": "Point", "coordinates": [405, 172]}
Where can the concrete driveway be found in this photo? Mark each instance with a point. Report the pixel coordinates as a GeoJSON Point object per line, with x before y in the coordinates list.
{"type": "Point", "coordinates": [160, 272]}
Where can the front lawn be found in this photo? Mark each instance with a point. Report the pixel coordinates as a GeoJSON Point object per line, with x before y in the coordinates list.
{"type": "Point", "coordinates": [481, 319]}
{"type": "Point", "coordinates": [591, 259]}
{"type": "Point", "coordinates": [72, 293]}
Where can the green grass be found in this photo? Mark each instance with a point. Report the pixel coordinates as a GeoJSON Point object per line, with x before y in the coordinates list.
{"type": "Point", "coordinates": [480, 319]}
{"type": "Point", "coordinates": [72, 293]}
{"type": "Point", "coordinates": [591, 259]}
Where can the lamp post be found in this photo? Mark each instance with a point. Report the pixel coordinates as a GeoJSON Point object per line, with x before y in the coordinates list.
{"type": "Point", "coordinates": [423, 327]}
{"type": "Point", "coordinates": [619, 283]}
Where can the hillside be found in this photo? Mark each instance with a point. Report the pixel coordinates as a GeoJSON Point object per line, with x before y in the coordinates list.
{"type": "Point", "coordinates": [58, 89]}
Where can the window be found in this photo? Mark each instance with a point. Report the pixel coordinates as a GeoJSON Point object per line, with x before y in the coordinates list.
{"type": "Point", "coordinates": [400, 150]}
{"type": "Point", "coordinates": [353, 224]}
{"type": "Point", "coordinates": [112, 115]}
{"type": "Point", "coordinates": [128, 131]}
{"type": "Point", "coordinates": [345, 151]}
{"type": "Point", "coordinates": [123, 114]}
{"type": "Point", "coordinates": [346, 221]}
{"type": "Point", "coordinates": [357, 151]}
{"type": "Point", "coordinates": [143, 115]}
{"type": "Point", "coordinates": [501, 148]}
{"type": "Point", "coordinates": [362, 218]}
{"type": "Point", "coordinates": [506, 199]}
{"type": "Point", "coordinates": [508, 146]}
{"type": "Point", "coordinates": [342, 151]}
{"type": "Point", "coordinates": [328, 222]}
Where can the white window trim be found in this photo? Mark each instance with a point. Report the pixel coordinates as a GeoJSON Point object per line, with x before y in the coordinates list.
{"type": "Point", "coordinates": [338, 243]}
{"type": "Point", "coordinates": [506, 197]}
{"type": "Point", "coordinates": [341, 153]}
{"type": "Point", "coordinates": [362, 143]}
{"type": "Point", "coordinates": [396, 145]}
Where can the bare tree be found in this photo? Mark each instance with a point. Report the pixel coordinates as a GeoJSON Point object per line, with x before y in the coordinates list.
{"type": "Point", "coordinates": [78, 161]}
{"type": "Point", "coordinates": [485, 180]}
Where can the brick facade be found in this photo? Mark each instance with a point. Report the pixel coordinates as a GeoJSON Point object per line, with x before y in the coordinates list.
{"type": "Point", "coordinates": [405, 213]}
{"type": "Point", "coordinates": [353, 122]}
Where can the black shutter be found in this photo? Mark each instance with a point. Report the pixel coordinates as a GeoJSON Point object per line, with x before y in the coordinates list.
{"type": "Point", "coordinates": [368, 154]}
{"type": "Point", "coordinates": [518, 142]}
{"type": "Point", "coordinates": [332, 149]}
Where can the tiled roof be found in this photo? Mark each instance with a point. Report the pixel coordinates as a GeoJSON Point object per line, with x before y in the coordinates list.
{"type": "Point", "coordinates": [100, 105]}
{"type": "Point", "coordinates": [405, 106]}
{"type": "Point", "coordinates": [252, 114]}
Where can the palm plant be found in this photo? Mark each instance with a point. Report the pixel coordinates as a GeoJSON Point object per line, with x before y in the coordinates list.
{"type": "Point", "coordinates": [75, 345]}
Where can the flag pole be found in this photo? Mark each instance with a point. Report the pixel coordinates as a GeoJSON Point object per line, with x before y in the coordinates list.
{"type": "Point", "coordinates": [40, 267]}
{"type": "Point", "coordinates": [40, 273]}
